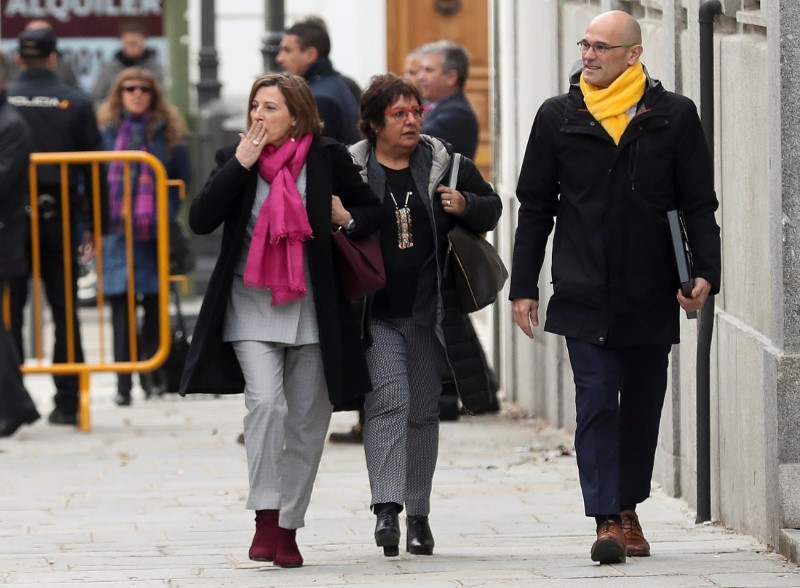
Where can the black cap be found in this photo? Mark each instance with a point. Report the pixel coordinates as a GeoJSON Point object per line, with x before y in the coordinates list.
{"type": "Point", "coordinates": [37, 43]}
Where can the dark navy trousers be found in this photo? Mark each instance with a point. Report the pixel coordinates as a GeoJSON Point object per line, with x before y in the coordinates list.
{"type": "Point", "coordinates": [619, 394]}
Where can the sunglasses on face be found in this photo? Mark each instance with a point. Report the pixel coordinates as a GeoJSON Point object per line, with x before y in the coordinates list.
{"type": "Point", "coordinates": [130, 89]}
{"type": "Point", "coordinates": [401, 112]}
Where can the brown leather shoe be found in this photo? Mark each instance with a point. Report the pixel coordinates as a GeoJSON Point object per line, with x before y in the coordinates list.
{"type": "Point", "coordinates": [637, 545]}
{"type": "Point", "coordinates": [610, 544]}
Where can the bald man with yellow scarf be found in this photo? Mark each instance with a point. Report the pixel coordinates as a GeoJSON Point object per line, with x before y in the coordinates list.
{"type": "Point", "coordinates": [604, 164]}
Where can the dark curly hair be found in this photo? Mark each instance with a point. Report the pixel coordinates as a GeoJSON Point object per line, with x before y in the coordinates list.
{"type": "Point", "coordinates": [383, 91]}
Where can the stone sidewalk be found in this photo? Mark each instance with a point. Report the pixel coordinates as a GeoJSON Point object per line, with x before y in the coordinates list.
{"type": "Point", "coordinates": [154, 496]}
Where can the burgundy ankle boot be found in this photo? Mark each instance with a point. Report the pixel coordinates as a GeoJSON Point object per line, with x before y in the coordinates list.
{"type": "Point", "coordinates": [287, 554]}
{"type": "Point", "coordinates": [265, 540]}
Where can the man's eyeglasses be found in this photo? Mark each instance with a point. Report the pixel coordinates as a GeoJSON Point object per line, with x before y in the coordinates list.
{"type": "Point", "coordinates": [600, 48]}
{"type": "Point", "coordinates": [401, 112]}
{"type": "Point", "coordinates": [133, 88]}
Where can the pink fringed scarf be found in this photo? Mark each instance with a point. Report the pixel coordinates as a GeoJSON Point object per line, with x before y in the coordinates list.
{"type": "Point", "coordinates": [275, 259]}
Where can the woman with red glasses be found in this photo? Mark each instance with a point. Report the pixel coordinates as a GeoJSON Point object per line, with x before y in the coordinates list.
{"type": "Point", "coordinates": [407, 353]}
{"type": "Point", "coordinates": [136, 116]}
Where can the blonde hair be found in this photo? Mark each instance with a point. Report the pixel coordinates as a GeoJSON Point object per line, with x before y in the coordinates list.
{"type": "Point", "coordinates": [110, 112]}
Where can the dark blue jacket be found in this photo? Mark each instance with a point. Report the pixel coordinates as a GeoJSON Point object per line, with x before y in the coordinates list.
{"type": "Point", "coordinates": [336, 104]}
{"type": "Point", "coordinates": [454, 121]}
{"type": "Point", "coordinates": [60, 117]}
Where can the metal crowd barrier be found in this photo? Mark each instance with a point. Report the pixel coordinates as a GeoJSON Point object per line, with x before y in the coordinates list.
{"type": "Point", "coordinates": [94, 159]}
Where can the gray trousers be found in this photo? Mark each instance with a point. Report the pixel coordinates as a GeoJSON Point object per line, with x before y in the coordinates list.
{"type": "Point", "coordinates": [285, 426]}
{"type": "Point", "coordinates": [401, 425]}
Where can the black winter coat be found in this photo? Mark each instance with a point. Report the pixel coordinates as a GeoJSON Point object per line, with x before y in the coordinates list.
{"type": "Point", "coordinates": [60, 117]}
{"type": "Point", "coordinates": [15, 149]}
{"type": "Point", "coordinates": [227, 198]}
{"type": "Point", "coordinates": [614, 274]}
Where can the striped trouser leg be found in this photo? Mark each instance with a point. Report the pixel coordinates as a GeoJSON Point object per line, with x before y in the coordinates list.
{"type": "Point", "coordinates": [401, 428]}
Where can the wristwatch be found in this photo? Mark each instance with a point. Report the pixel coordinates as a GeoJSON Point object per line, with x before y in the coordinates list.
{"type": "Point", "coordinates": [350, 224]}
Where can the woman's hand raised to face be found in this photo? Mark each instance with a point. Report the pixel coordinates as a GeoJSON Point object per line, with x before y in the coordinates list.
{"type": "Point", "coordinates": [250, 144]}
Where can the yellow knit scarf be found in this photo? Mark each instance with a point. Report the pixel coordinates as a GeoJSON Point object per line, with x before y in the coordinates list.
{"type": "Point", "coordinates": [609, 105]}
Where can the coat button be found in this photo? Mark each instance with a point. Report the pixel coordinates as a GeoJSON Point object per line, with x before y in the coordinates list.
{"type": "Point", "coordinates": [591, 124]}
{"type": "Point", "coordinates": [602, 339]}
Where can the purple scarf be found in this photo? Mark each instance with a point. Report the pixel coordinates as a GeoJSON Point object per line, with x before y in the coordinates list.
{"type": "Point", "coordinates": [130, 136]}
{"type": "Point", "coordinates": [275, 259]}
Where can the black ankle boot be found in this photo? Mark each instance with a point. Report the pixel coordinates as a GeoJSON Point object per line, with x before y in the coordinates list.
{"type": "Point", "coordinates": [123, 399]}
{"type": "Point", "coordinates": [387, 528]}
{"type": "Point", "coordinates": [419, 539]}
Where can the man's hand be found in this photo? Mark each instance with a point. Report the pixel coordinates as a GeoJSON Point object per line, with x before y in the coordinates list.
{"type": "Point", "coordinates": [526, 314]}
{"type": "Point", "coordinates": [700, 290]}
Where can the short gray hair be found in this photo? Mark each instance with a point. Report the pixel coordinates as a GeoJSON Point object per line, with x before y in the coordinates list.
{"type": "Point", "coordinates": [454, 57]}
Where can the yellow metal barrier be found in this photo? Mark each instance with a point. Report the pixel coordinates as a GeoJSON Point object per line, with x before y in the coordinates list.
{"type": "Point", "coordinates": [83, 370]}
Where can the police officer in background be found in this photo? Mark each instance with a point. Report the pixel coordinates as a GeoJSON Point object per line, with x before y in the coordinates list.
{"type": "Point", "coordinates": [61, 118]}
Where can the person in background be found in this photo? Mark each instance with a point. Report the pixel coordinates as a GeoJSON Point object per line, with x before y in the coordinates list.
{"type": "Point", "coordinates": [61, 118]}
{"type": "Point", "coordinates": [305, 50]}
{"type": "Point", "coordinates": [440, 70]}
{"type": "Point", "coordinates": [133, 51]}
{"type": "Point", "coordinates": [274, 322]}
{"type": "Point", "coordinates": [351, 84]}
{"type": "Point", "coordinates": [604, 163]}
{"type": "Point", "coordinates": [441, 79]}
{"type": "Point", "coordinates": [136, 116]}
{"type": "Point", "coordinates": [407, 352]}
{"type": "Point", "coordinates": [16, 406]}
{"type": "Point", "coordinates": [64, 69]}
{"type": "Point", "coordinates": [413, 65]}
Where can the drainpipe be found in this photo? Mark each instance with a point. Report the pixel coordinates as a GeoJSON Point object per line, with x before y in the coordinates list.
{"type": "Point", "coordinates": [705, 327]}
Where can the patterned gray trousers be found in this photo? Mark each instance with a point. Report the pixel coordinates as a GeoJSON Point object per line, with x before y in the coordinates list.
{"type": "Point", "coordinates": [285, 426]}
{"type": "Point", "coordinates": [401, 426]}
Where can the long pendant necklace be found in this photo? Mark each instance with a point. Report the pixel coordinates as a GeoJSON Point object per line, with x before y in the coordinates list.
{"type": "Point", "coordinates": [402, 216]}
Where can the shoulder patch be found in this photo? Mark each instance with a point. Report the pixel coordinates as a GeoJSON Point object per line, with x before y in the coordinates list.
{"type": "Point", "coordinates": [39, 102]}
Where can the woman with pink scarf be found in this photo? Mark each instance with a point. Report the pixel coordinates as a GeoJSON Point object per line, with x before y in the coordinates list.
{"type": "Point", "coordinates": [274, 322]}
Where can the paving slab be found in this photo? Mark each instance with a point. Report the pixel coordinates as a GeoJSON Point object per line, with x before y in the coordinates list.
{"type": "Point", "coordinates": [155, 496]}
